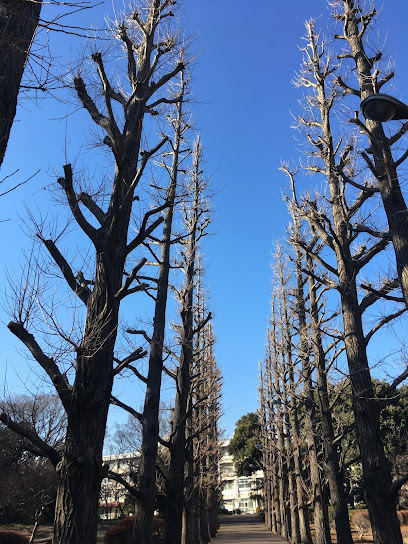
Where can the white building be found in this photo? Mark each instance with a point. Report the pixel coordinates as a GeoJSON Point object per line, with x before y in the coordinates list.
{"type": "Point", "coordinates": [239, 494]}
{"type": "Point", "coordinates": [113, 496]}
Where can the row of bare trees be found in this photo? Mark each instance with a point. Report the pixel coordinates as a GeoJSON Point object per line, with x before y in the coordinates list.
{"type": "Point", "coordinates": [136, 232]}
{"type": "Point", "coordinates": [342, 244]}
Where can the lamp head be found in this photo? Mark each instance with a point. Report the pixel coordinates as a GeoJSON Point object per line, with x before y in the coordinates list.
{"type": "Point", "coordinates": [381, 107]}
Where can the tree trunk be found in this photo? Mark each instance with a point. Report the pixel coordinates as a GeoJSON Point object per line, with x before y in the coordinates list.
{"type": "Point", "coordinates": [338, 500]}
{"type": "Point", "coordinates": [281, 455]}
{"type": "Point", "coordinates": [376, 475]}
{"type": "Point", "coordinates": [175, 478]}
{"type": "Point", "coordinates": [144, 509]}
{"type": "Point", "coordinates": [300, 516]}
{"type": "Point", "coordinates": [322, 529]}
{"type": "Point", "coordinates": [80, 471]}
{"type": "Point", "coordinates": [18, 23]}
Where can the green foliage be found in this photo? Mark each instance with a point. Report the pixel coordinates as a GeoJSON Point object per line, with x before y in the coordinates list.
{"type": "Point", "coordinates": [243, 448]}
{"type": "Point", "coordinates": [394, 431]}
{"type": "Point", "coordinates": [393, 422]}
{"type": "Point", "coordinates": [394, 428]}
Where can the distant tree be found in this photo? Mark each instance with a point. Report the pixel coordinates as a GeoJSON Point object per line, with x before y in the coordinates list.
{"type": "Point", "coordinates": [195, 223]}
{"type": "Point", "coordinates": [243, 446]}
{"type": "Point", "coordinates": [202, 492]}
{"type": "Point", "coordinates": [28, 482]}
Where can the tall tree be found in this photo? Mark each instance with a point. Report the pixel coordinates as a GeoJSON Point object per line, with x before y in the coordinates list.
{"type": "Point", "coordinates": [357, 17]}
{"type": "Point", "coordinates": [151, 64]}
{"type": "Point", "coordinates": [338, 229]}
{"type": "Point", "coordinates": [201, 486]}
{"type": "Point", "coordinates": [196, 220]}
{"type": "Point", "coordinates": [145, 500]}
{"type": "Point", "coordinates": [302, 532]}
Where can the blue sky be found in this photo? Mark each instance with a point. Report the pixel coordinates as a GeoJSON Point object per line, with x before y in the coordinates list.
{"type": "Point", "coordinates": [242, 84]}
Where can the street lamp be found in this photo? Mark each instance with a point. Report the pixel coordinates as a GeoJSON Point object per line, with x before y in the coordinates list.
{"type": "Point", "coordinates": [381, 107]}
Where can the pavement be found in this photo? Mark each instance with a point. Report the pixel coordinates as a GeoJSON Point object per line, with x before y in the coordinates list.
{"type": "Point", "coordinates": [244, 529]}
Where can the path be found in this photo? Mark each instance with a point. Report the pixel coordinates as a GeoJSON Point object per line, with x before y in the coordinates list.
{"type": "Point", "coordinates": [243, 529]}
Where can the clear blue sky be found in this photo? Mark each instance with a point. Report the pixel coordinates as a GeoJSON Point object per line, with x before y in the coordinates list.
{"type": "Point", "coordinates": [244, 94]}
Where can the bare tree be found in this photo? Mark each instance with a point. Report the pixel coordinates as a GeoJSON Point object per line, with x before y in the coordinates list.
{"type": "Point", "coordinates": [279, 400]}
{"type": "Point", "coordinates": [150, 47]}
{"type": "Point", "coordinates": [300, 530]}
{"type": "Point", "coordinates": [357, 17]}
{"type": "Point", "coordinates": [201, 496]}
{"type": "Point", "coordinates": [150, 418]}
{"type": "Point", "coordinates": [337, 227]}
{"type": "Point", "coordinates": [313, 356]}
{"type": "Point", "coordinates": [196, 221]}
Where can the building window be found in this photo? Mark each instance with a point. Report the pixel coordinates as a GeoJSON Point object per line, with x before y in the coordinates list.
{"type": "Point", "coordinates": [244, 484]}
{"type": "Point", "coordinates": [228, 486]}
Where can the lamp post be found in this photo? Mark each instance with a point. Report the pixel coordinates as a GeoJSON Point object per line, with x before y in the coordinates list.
{"type": "Point", "coordinates": [381, 107]}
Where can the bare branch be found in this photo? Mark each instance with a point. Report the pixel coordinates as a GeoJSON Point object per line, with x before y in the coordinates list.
{"type": "Point", "coordinates": [92, 207]}
{"type": "Point", "coordinates": [142, 333]}
{"type": "Point", "coordinates": [372, 252]}
{"type": "Point", "coordinates": [81, 291]}
{"type": "Point", "coordinates": [90, 105]}
{"type": "Point", "coordinates": [23, 430]}
{"type": "Point", "coordinates": [383, 322]}
{"type": "Point", "coordinates": [127, 408]}
{"type": "Point", "coordinates": [118, 478]}
{"type": "Point", "coordinates": [60, 381]}
{"type": "Point", "coordinates": [389, 390]}
{"type": "Point", "coordinates": [145, 232]}
{"type": "Point", "coordinates": [67, 184]}
{"type": "Point", "coordinates": [123, 290]}
{"type": "Point", "coordinates": [375, 294]}
{"type": "Point", "coordinates": [139, 353]}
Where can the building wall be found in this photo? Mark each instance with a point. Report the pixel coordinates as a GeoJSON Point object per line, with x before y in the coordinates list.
{"type": "Point", "coordinates": [112, 500]}
{"type": "Point", "coordinates": [237, 491]}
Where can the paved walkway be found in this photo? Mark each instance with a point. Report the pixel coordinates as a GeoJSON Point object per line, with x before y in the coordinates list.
{"type": "Point", "coordinates": [244, 530]}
